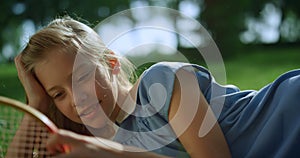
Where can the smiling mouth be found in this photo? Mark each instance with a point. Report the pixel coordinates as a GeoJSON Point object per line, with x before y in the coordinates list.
{"type": "Point", "coordinates": [90, 111]}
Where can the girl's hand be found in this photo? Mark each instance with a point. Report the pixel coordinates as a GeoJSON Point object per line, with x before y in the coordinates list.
{"type": "Point", "coordinates": [89, 147]}
{"type": "Point", "coordinates": [35, 93]}
{"type": "Point", "coordinates": [81, 146]}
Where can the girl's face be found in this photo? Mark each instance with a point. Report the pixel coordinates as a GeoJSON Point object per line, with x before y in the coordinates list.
{"type": "Point", "coordinates": [80, 91]}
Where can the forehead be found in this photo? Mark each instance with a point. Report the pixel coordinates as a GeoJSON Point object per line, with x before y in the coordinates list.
{"type": "Point", "coordinates": [55, 68]}
{"type": "Point", "coordinates": [59, 67]}
{"type": "Point", "coordinates": [55, 59]}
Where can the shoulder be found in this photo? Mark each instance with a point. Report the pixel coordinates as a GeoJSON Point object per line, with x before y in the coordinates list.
{"type": "Point", "coordinates": [164, 69]}
{"type": "Point", "coordinates": [293, 74]}
{"type": "Point", "coordinates": [155, 88]}
{"type": "Point", "coordinates": [162, 73]}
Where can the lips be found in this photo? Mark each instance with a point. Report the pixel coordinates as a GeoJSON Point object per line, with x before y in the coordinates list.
{"type": "Point", "coordinates": [89, 111]}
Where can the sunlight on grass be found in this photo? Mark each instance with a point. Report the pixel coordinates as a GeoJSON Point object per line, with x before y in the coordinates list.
{"type": "Point", "coordinates": [10, 85]}
{"type": "Point", "coordinates": [255, 70]}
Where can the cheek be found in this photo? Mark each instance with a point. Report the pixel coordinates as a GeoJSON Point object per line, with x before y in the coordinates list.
{"type": "Point", "coordinates": [69, 111]}
{"type": "Point", "coordinates": [105, 92]}
{"type": "Point", "coordinates": [105, 95]}
{"type": "Point", "coordinates": [102, 86]}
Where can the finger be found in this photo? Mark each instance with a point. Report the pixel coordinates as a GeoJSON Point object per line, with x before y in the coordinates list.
{"type": "Point", "coordinates": [69, 137]}
{"type": "Point", "coordinates": [20, 68]}
{"type": "Point", "coordinates": [73, 154]}
{"type": "Point", "coordinates": [18, 61]}
{"type": "Point", "coordinates": [26, 77]}
{"type": "Point", "coordinates": [61, 138]}
{"type": "Point", "coordinates": [53, 145]}
{"type": "Point", "coordinates": [17, 58]}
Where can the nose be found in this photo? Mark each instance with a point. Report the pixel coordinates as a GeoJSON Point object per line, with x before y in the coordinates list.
{"type": "Point", "coordinates": [80, 99]}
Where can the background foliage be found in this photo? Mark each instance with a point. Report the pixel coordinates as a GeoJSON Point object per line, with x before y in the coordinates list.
{"type": "Point", "coordinates": [237, 26]}
{"type": "Point", "coordinates": [226, 20]}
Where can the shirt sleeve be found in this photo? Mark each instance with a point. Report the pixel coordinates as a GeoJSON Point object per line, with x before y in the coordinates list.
{"type": "Point", "coordinates": [156, 86]}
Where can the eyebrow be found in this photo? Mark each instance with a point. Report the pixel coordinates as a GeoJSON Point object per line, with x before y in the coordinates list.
{"type": "Point", "coordinates": [69, 77]}
{"type": "Point", "coordinates": [57, 87]}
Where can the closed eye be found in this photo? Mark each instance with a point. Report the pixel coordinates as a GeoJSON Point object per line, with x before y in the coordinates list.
{"type": "Point", "coordinates": [58, 95]}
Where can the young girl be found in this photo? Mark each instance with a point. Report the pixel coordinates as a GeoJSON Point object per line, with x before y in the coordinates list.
{"type": "Point", "coordinates": [66, 69]}
{"type": "Point", "coordinates": [70, 75]}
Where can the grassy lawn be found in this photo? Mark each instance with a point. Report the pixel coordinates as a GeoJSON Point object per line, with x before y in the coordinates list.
{"type": "Point", "coordinates": [247, 71]}
{"type": "Point", "coordinates": [10, 85]}
{"type": "Point", "coordinates": [255, 70]}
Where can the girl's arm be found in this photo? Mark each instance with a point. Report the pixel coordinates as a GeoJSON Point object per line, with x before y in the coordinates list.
{"type": "Point", "coordinates": [187, 100]}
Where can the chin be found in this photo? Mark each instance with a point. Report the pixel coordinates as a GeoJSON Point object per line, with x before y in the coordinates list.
{"type": "Point", "coordinates": [95, 123]}
{"type": "Point", "coordinates": [98, 125]}
{"type": "Point", "coordinates": [100, 129]}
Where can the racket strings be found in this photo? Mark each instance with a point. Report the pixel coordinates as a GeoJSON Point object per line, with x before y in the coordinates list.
{"type": "Point", "coordinates": [21, 135]}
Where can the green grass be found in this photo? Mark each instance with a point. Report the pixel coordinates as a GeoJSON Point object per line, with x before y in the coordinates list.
{"type": "Point", "coordinates": [10, 85]}
{"type": "Point", "coordinates": [256, 69]}
{"type": "Point", "coordinates": [9, 123]}
{"type": "Point", "coordinates": [248, 70]}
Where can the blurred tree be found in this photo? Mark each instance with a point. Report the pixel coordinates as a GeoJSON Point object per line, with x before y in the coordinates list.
{"type": "Point", "coordinates": [40, 12]}
{"type": "Point", "coordinates": [289, 11]}
{"type": "Point", "coordinates": [225, 21]}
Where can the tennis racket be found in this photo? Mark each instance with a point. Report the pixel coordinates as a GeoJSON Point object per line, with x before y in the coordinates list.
{"type": "Point", "coordinates": [23, 130]}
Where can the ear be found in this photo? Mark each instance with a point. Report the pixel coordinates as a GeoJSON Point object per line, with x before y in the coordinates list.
{"type": "Point", "coordinates": [114, 64]}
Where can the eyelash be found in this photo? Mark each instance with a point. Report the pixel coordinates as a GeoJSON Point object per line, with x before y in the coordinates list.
{"type": "Point", "coordinates": [83, 77]}
{"type": "Point", "coordinates": [58, 95]}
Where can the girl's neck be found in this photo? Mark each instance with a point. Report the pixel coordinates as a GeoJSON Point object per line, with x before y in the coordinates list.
{"type": "Point", "coordinates": [118, 109]}
{"type": "Point", "coordinates": [126, 103]}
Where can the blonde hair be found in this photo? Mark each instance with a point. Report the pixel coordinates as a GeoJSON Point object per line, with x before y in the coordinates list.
{"type": "Point", "coordinates": [71, 36]}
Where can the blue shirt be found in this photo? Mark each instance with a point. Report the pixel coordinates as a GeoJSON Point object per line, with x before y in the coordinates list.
{"type": "Point", "coordinates": [264, 123]}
